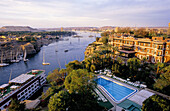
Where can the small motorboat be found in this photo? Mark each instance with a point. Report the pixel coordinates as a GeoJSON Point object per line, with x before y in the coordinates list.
{"type": "Point", "coordinates": [66, 50]}
{"type": "Point", "coordinates": [3, 64]}
{"type": "Point", "coordinates": [44, 63]}
{"type": "Point", "coordinates": [25, 60]}
{"type": "Point", "coordinates": [91, 36]}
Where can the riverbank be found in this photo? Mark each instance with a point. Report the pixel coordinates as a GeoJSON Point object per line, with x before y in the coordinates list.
{"type": "Point", "coordinates": [18, 45]}
{"type": "Point", "coordinates": [12, 51]}
{"type": "Point", "coordinates": [54, 54]}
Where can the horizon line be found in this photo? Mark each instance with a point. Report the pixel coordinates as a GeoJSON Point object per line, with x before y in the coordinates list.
{"type": "Point", "coordinates": [87, 26]}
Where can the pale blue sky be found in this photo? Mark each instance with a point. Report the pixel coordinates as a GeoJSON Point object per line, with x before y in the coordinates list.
{"type": "Point", "coordinates": [58, 13]}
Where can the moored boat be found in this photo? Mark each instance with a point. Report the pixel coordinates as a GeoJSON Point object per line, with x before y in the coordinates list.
{"type": "Point", "coordinates": [3, 64]}
{"type": "Point", "coordinates": [25, 55]}
{"type": "Point", "coordinates": [44, 63]}
{"type": "Point", "coordinates": [21, 87]}
{"type": "Point", "coordinates": [66, 50]}
{"type": "Point", "coordinates": [77, 36]}
{"type": "Point", "coordinates": [91, 36]}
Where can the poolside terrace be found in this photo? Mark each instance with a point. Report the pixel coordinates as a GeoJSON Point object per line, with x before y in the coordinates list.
{"type": "Point", "coordinates": [136, 99]}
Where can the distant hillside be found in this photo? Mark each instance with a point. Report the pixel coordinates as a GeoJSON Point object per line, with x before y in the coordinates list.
{"type": "Point", "coordinates": [68, 28]}
{"type": "Point", "coordinates": [107, 28]}
{"type": "Point", "coordinates": [18, 28]}
{"type": "Point", "coordinates": [80, 28]}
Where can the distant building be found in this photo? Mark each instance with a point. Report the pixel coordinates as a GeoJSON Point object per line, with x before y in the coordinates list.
{"type": "Point", "coordinates": [168, 32]}
{"type": "Point", "coordinates": [3, 37]}
{"type": "Point", "coordinates": [62, 29]}
{"type": "Point", "coordinates": [117, 29]}
{"type": "Point", "coordinates": [147, 29]}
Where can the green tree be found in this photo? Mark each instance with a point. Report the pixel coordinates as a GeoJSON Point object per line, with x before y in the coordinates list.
{"type": "Point", "coordinates": [92, 68]}
{"type": "Point", "coordinates": [73, 65]}
{"type": "Point", "coordinates": [63, 72]}
{"type": "Point", "coordinates": [78, 81]}
{"type": "Point", "coordinates": [49, 92]}
{"type": "Point", "coordinates": [159, 66]}
{"type": "Point", "coordinates": [141, 33]}
{"type": "Point", "coordinates": [88, 63]}
{"type": "Point", "coordinates": [105, 34]}
{"type": "Point", "coordinates": [133, 65]}
{"type": "Point", "coordinates": [97, 39]}
{"type": "Point", "coordinates": [163, 83]}
{"type": "Point", "coordinates": [59, 102]}
{"type": "Point", "coordinates": [119, 60]}
{"type": "Point", "coordinates": [115, 49]}
{"type": "Point", "coordinates": [74, 102]}
{"type": "Point", "coordinates": [105, 40]}
{"type": "Point", "coordinates": [156, 103]}
{"type": "Point", "coordinates": [16, 105]}
{"type": "Point", "coordinates": [54, 77]}
{"type": "Point", "coordinates": [84, 101]}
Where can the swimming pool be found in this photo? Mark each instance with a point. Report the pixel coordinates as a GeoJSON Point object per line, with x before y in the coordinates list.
{"type": "Point", "coordinates": [116, 91]}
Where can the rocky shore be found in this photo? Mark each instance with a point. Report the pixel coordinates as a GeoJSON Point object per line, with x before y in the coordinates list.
{"type": "Point", "coordinates": [10, 51]}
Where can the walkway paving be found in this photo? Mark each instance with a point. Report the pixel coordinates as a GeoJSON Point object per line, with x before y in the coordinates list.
{"type": "Point", "coordinates": [158, 93]}
{"type": "Point", "coordinates": [110, 100]}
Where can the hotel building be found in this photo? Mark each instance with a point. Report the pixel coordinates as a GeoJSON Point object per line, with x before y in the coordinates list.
{"type": "Point", "coordinates": [154, 50]}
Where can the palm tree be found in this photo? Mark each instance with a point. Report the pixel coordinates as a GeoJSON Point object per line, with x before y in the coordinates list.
{"type": "Point", "coordinates": [92, 68]}
{"type": "Point", "coordinates": [119, 60]}
{"type": "Point", "coordinates": [87, 64]}
{"type": "Point", "coordinates": [115, 49]}
{"type": "Point", "coordinates": [159, 65]}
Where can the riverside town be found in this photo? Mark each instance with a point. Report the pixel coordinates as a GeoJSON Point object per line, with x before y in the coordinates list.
{"type": "Point", "coordinates": [88, 55]}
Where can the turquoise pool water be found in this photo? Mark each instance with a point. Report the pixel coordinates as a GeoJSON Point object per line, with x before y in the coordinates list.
{"type": "Point", "coordinates": [115, 90]}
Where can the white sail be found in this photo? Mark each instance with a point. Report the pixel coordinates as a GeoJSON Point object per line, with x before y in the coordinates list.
{"type": "Point", "coordinates": [3, 64]}
{"type": "Point", "coordinates": [43, 57]}
{"type": "Point", "coordinates": [12, 58]}
{"type": "Point", "coordinates": [17, 55]}
{"type": "Point", "coordinates": [11, 55]}
{"type": "Point", "coordinates": [17, 60]}
{"type": "Point", "coordinates": [2, 58]}
{"type": "Point", "coordinates": [44, 63]}
{"type": "Point", "coordinates": [25, 55]}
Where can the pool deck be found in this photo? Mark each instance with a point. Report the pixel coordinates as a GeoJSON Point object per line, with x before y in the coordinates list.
{"type": "Point", "coordinates": [109, 98]}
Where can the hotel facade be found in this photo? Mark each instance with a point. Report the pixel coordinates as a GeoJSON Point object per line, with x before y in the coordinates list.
{"type": "Point", "coordinates": [154, 50]}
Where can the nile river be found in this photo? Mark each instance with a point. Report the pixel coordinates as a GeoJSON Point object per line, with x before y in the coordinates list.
{"type": "Point", "coordinates": [75, 47]}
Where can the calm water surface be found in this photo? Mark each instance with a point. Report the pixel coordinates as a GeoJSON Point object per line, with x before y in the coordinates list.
{"type": "Point", "coordinates": [75, 47]}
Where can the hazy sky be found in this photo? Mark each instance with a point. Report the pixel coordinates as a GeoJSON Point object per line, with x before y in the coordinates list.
{"type": "Point", "coordinates": [58, 13]}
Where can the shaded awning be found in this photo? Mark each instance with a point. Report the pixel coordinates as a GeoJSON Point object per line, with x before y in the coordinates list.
{"type": "Point", "coordinates": [21, 79]}
{"type": "Point", "coordinates": [4, 86]}
{"type": "Point", "coordinates": [126, 51]}
{"type": "Point", "coordinates": [14, 87]}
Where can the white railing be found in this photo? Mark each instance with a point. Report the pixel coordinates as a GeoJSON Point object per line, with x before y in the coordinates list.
{"type": "Point", "coordinates": [12, 92]}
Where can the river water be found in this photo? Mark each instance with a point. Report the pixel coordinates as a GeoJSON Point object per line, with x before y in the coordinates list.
{"type": "Point", "coordinates": [75, 47]}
